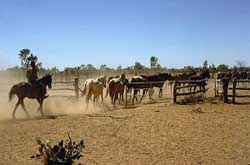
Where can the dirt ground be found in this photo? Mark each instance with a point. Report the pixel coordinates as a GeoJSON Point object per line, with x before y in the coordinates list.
{"type": "Point", "coordinates": [153, 132]}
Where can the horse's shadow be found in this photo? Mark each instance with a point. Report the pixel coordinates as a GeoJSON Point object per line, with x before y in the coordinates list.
{"type": "Point", "coordinates": [50, 117]}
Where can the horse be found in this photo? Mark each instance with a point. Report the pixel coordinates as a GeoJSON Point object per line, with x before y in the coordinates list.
{"type": "Point", "coordinates": [111, 77]}
{"type": "Point", "coordinates": [203, 76]}
{"type": "Point", "coordinates": [116, 88]}
{"type": "Point", "coordinates": [94, 87]}
{"type": "Point", "coordinates": [25, 89]}
{"type": "Point", "coordinates": [158, 80]}
{"type": "Point", "coordinates": [134, 83]}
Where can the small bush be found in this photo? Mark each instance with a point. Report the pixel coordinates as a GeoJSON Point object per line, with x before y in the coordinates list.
{"type": "Point", "coordinates": [60, 154]}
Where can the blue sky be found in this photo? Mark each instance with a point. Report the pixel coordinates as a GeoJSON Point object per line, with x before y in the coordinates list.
{"type": "Point", "coordinates": [119, 32]}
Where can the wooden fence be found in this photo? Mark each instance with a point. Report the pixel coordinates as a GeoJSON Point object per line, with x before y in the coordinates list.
{"type": "Point", "coordinates": [74, 83]}
{"type": "Point", "coordinates": [234, 90]}
{"type": "Point", "coordinates": [188, 84]}
{"type": "Point", "coordinates": [141, 86]}
{"type": "Point", "coordinates": [218, 89]}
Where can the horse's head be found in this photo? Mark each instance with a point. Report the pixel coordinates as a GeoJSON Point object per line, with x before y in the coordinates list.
{"type": "Point", "coordinates": [48, 80]}
{"type": "Point", "coordinates": [122, 77]}
{"type": "Point", "coordinates": [102, 80]}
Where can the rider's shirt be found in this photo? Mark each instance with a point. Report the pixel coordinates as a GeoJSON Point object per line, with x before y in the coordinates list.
{"type": "Point", "coordinates": [31, 75]}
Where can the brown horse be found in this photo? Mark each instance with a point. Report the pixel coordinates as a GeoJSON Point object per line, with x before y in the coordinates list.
{"type": "Point", "coordinates": [24, 89]}
{"type": "Point", "coordinates": [116, 88]}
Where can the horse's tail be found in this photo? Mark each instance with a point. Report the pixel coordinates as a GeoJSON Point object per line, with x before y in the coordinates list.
{"type": "Point", "coordinates": [12, 92]}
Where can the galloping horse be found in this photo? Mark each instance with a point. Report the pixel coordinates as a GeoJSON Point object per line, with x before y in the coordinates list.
{"type": "Point", "coordinates": [116, 88]}
{"type": "Point", "coordinates": [24, 89]}
{"type": "Point", "coordinates": [94, 87]}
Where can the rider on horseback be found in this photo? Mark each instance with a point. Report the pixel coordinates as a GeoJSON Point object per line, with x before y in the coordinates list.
{"type": "Point", "coordinates": [31, 73]}
{"type": "Point", "coordinates": [32, 77]}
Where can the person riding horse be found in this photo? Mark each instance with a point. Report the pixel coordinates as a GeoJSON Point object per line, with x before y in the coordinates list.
{"type": "Point", "coordinates": [32, 78]}
{"type": "Point", "coordinates": [31, 73]}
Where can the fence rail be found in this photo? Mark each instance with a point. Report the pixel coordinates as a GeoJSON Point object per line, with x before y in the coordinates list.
{"type": "Point", "coordinates": [75, 88]}
{"type": "Point", "coordinates": [234, 89]}
{"type": "Point", "coordinates": [191, 83]}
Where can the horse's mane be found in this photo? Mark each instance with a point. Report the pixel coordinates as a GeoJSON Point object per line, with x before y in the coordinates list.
{"type": "Point", "coordinates": [44, 77]}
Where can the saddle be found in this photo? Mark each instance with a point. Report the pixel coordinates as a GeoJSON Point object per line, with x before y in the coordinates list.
{"type": "Point", "coordinates": [37, 88]}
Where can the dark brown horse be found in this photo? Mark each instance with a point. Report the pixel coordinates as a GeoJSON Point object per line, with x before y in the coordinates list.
{"type": "Point", "coordinates": [24, 89]}
{"type": "Point", "coordinates": [201, 80]}
{"type": "Point", "coordinates": [115, 88]}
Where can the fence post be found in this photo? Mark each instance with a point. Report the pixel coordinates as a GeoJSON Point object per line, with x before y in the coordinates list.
{"type": "Point", "coordinates": [234, 89]}
{"type": "Point", "coordinates": [174, 92]}
{"type": "Point", "coordinates": [225, 82]}
{"type": "Point", "coordinates": [77, 87]}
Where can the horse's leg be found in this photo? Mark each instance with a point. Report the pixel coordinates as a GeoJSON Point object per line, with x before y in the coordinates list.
{"type": "Point", "coordinates": [102, 97]}
{"type": "Point", "coordinates": [41, 107]}
{"type": "Point", "coordinates": [87, 102]}
{"type": "Point", "coordinates": [16, 106]}
{"type": "Point", "coordinates": [119, 96]}
{"type": "Point", "coordinates": [114, 100]}
{"type": "Point", "coordinates": [130, 94]}
{"type": "Point", "coordinates": [134, 96]}
{"type": "Point", "coordinates": [143, 94]}
{"type": "Point", "coordinates": [137, 93]}
{"type": "Point", "coordinates": [94, 100]}
{"type": "Point", "coordinates": [24, 108]}
{"type": "Point", "coordinates": [133, 99]}
{"type": "Point", "coordinates": [160, 93]}
{"type": "Point", "coordinates": [111, 98]}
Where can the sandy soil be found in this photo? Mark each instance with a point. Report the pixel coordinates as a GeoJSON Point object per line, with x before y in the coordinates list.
{"type": "Point", "coordinates": [156, 132]}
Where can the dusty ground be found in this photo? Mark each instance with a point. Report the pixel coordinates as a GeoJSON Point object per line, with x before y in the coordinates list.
{"type": "Point", "coordinates": [150, 133]}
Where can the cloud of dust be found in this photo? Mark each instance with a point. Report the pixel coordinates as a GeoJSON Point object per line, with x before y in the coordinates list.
{"type": "Point", "coordinates": [52, 106]}
{"type": "Point", "coordinates": [69, 105]}
{"type": "Point", "coordinates": [58, 103]}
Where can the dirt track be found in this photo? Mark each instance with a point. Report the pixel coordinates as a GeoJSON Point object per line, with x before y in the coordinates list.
{"type": "Point", "coordinates": [159, 133]}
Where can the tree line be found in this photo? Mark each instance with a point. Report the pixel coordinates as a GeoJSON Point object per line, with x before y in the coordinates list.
{"type": "Point", "coordinates": [89, 70]}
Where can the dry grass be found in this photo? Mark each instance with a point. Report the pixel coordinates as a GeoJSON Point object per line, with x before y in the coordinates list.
{"type": "Point", "coordinates": [160, 133]}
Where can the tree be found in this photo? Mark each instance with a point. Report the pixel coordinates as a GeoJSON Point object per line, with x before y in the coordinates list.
{"type": "Point", "coordinates": [222, 68]}
{"type": "Point", "coordinates": [23, 55]}
{"type": "Point", "coordinates": [138, 66]}
{"type": "Point", "coordinates": [103, 67]}
{"type": "Point", "coordinates": [212, 68]}
{"type": "Point", "coordinates": [54, 70]}
{"type": "Point", "coordinates": [158, 66]}
{"type": "Point", "coordinates": [241, 65]}
{"type": "Point", "coordinates": [119, 68]}
{"type": "Point", "coordinates": [189, 69]}
{"type": "Point", "coordinates": [26, 57]}
{"type": "Point", "coordinates": [205, 64]}
{"type": "Point", "coordinates": [153, 61]}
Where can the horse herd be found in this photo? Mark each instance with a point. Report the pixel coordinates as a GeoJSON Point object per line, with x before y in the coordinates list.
{"type": "Point", "coordinates": [119, 84]}
{"type": "Point", "coordinates": [93, 88]}
{"type": "Point", "coordinates": [232, 75]}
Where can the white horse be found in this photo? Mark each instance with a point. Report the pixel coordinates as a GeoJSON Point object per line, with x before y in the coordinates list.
{"type": "Point", "coordinates": [94, 87]}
